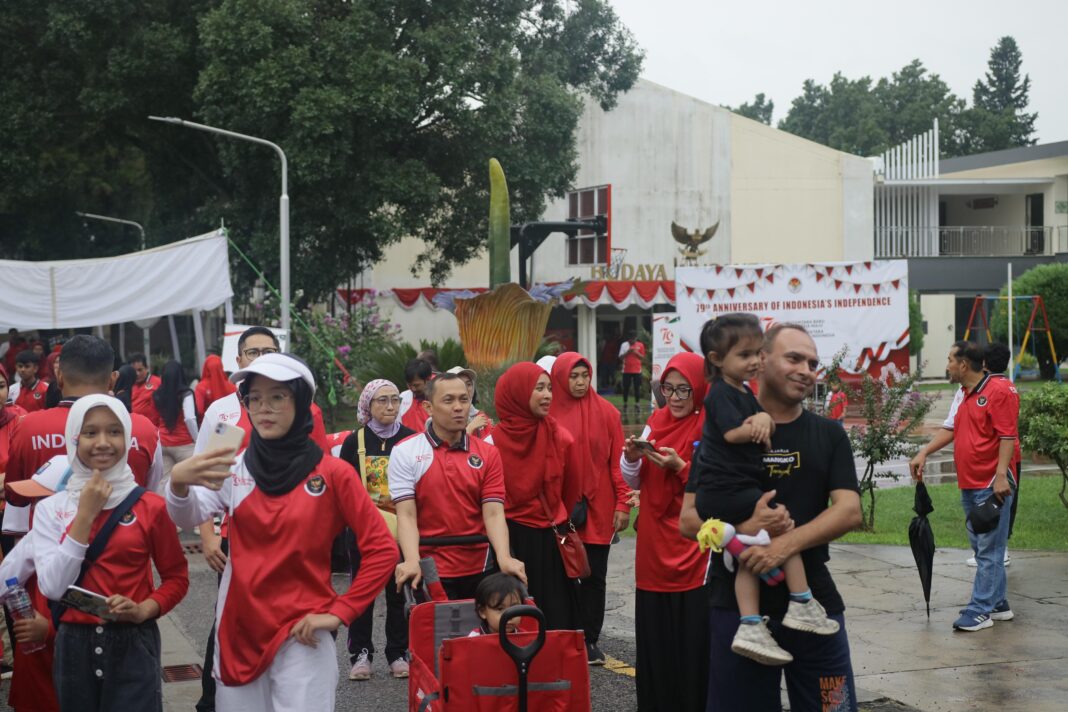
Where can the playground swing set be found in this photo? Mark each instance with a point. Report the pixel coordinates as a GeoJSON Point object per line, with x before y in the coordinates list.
{"type": "Point", "coordinates": [1038, 308]}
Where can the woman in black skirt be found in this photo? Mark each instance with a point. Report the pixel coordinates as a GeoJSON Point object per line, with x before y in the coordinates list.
{"type": "Point", "coordinates": [539, 475]}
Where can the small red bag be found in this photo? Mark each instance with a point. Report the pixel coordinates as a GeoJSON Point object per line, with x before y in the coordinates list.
{"type": "Point", "coordinates": [572, 550]}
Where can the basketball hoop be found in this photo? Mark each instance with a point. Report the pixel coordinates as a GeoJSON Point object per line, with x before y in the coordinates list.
{"type": "Point", "coordinates": [615, 265]}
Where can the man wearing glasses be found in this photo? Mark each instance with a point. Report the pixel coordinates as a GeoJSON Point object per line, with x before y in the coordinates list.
{"type": "Point", "coordinates": [256, 341]}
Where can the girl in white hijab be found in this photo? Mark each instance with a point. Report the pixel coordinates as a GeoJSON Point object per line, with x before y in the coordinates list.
{"type": "Point", "coordinates": [96, 456]}
{"type": "Point", "coordinates": [110, 661]}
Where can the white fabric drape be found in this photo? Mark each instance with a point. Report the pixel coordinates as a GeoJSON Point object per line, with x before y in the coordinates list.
{"type": "Point", "coordinates": [170, 279]}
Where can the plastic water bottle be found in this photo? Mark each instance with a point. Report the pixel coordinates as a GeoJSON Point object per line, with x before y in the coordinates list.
{"type": "Point", "coordinates": [21, 607]}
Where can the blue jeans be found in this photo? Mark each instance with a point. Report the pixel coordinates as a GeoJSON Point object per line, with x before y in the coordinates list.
{"type": "Point", "coordinates": [990, 584]}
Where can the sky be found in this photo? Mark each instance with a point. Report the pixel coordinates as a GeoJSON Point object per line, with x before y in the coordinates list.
{"type": "Point", "coordinates": [725, 53]}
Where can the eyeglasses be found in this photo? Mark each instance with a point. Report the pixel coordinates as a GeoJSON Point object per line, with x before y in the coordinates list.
{"type": "Point", "coordinates": [387, 400]}
{"type": "Point", "coordinates": [274, 402]}
{"type": "Point", "coordinates": [680, 392]}
{"type": "Point", "coordinates": [256, 353]}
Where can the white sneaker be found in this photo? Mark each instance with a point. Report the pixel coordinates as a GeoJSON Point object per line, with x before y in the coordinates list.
{"type": "Point", "coordinates": [974, 564]}
{"type": "Point", "coordinates": [361, 669]}
{"type": "Point", "coordinates": [809, 617]}
{"type": "Point", "coordinates": [754, 641]}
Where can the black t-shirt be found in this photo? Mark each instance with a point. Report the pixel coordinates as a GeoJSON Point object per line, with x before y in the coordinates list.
{"type": "Point", "coordinates": [730, 478]}
{"type": "Point", "coordinates": [810, 457]}
{"type": "Point", "coordinates": [375, 445]}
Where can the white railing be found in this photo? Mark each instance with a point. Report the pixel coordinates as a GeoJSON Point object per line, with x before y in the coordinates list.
{"type": "Point", "coordinates": [970, 241]}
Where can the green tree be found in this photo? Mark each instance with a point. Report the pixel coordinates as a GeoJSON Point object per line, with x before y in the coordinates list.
{"type": "Point", "coordinates": [760, 109]}
{"type": "Point", "coordinates": [866, 118]}
{"type": "Point", "coordinates": [387, 111]}
{"type": "Point", "coordinates": [915, 324]}
{"type": "Point", "coordinates": [844, 115]}
{"type": "Point", "coordinates": [1050, 281]}
{"type": "Point", "coordinates": [910, 99]}
{"type": "Point", "coordinates": [77, 81]}
{"type": "Point", "coordinates": [1044, 426]}
{"type": "Point", "coordinates": [998, 118]}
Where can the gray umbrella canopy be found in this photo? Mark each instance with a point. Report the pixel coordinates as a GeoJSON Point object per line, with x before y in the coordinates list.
{"type": "Point", "coordinates": [921, 539]}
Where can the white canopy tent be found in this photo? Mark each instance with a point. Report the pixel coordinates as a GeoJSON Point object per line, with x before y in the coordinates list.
{"type": "Point", "coordinates": [189, 275]}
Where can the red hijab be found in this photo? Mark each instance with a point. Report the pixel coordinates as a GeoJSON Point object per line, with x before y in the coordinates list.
{"type": "Point", "coordinates": [48, 370]}
{"type": "Point", "coordinates": [678, 433]}
{"type": "Point", "coordinates": [587, 418]}
{"type": "Point", "coordinates": [213, 381]}
{"type": "Point", "coordinates": [527, 443]}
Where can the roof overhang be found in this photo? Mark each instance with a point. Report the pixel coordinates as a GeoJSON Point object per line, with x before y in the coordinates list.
{"type": "Point", "coordinates": [971, 186]}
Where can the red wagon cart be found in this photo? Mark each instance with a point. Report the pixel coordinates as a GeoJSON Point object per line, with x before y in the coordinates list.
{"type": "Point", "coordinates": [533, 670]}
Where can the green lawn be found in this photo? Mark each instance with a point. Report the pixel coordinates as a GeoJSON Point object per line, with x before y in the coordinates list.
{"type": "Point", "coordinates": [1041, 522]}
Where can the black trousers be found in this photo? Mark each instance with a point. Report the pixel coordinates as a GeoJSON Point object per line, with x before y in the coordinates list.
{"type": "Point", "coordinates": [547, 582]}
{"type": "Point", "coordinates": [592, 592]}
{"type": "Point", "coordinates": [206, 703]}
{"type": "Point", "coordinates": [360, 630]}
{"type": "Point", "coordinates": [108, 667]}
{"type": "Point", "coordinates": [672, 646]}
{"type": "Point", "coordinates": [1015, 500]}
{"type": "Point", "coordinates": [632, 381]}
{"type": "Point", "coordinates": [459, 588]}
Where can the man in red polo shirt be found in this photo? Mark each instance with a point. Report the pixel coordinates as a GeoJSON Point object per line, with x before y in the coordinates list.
{"type": "Point", "coordinates": [445, 483]}
{"type": "Point", "coordinates": [984, 451]}
{"type": "Point", "coordinates": [29, 393]}
{"type": "Point", "coordinates": [84, 368]}
{"type": "Point", "coordinates": [145, 385]}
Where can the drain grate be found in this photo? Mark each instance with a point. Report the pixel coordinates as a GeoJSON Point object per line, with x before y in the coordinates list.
{"type": "Point", "coordinates": [193, 548]}
{"type": "Point", "coordinates": [182, 673]}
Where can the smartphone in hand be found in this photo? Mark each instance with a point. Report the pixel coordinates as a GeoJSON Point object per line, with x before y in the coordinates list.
{"type": "Point", "coordinates": [226, 437]}
{"type": "Point", "coordinates": [643, 444]}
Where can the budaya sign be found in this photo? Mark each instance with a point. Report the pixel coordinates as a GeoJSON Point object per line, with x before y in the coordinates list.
{"type": "Point", "coordinates": [630, 273]}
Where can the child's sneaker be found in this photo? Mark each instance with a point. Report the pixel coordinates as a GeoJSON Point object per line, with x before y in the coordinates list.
{"type": "Point", "coordinates": [754, 641]}
{"type": "Point", "coordinates": [809, 617]}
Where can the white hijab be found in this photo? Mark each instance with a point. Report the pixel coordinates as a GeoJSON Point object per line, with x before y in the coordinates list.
{"type": "Point", "coordinates": [119, 476]}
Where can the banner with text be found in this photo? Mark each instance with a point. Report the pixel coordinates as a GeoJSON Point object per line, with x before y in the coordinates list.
{"type": "Point", "coordinates": [862, 306]}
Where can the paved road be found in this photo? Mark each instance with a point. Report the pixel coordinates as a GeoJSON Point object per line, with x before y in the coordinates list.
{"type": "Point", "coordinates": [611, 690]}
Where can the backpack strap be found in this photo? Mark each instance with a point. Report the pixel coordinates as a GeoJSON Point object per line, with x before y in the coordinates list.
{"type": "Point", "coordinates": [361, 454]}
{"type": "Point", "coordinates": [96, 546]}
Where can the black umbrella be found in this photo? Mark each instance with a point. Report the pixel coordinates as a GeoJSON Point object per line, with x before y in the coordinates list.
{"type": "Point", "coordinates": [921, 539]}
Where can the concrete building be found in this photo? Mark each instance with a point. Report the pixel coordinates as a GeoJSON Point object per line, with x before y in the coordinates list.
{"type": "Point", "coordinates": [962, 221]}
{"type": "Point", "coordinates": [661, 157]}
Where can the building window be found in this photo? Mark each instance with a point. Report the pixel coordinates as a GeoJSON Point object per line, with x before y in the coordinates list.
{"type": "Point", "coordinates": [587, 248]}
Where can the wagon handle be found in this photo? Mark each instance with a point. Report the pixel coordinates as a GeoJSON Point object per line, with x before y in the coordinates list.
{"type": "Point", "coordinates": [522, 657]}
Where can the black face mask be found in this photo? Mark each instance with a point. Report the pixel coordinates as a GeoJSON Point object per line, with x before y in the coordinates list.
{"type": "Point", "coordinates": [279, 465]}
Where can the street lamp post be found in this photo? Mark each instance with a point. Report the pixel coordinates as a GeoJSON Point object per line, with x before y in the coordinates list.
{"type": "Point", "coordinates": [108, 218]}
{"type": "Point", "coordinates": [283, 200]}
{"type": "Point", "coordinates": [122, 327]}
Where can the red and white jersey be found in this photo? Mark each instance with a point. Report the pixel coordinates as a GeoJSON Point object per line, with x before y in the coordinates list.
{"type": "Point", "coordinates": [951, 419]}
{"type": "Point", "coordinates": [416, 417]}
{"type": "Point", "coordinates": [41, 436]}
{"type": "Point", "coordinates": [449, 485]}
{"type": "Point", "coordinates": [144, 536]}
{"type": "Point", "coordinates": [230, 411]}
{"type": "Point", "coordinates": [279, 565]}
{"type": "Point", "coordinates": [180, 434]}
{"type": "Point", "coordinates": [335, 440]}
{"type": "Point", "coordinates": [141, 398]}
{"type": "Point", "coordinates": [29, 399]}
{"type": "Point", "coordinates": [987, 416]}
{"type": "Point", "coordinates": [225, 410]}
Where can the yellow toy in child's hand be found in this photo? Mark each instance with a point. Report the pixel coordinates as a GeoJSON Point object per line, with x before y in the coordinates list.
{"type": "Point", "coordinates": [714, 534]}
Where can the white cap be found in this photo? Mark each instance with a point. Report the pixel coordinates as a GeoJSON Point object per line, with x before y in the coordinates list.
{"type": "Point", "coordinates": [546, 362]}
{"type": "Point", "coordinates": [277, 367]}
{"type": "Point", "coordinates": [461, 371]}
{"type": "Point", "coordinates": [45, 482]}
